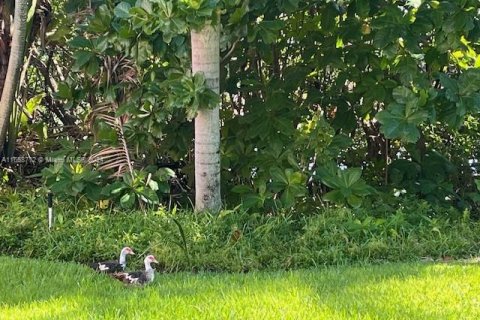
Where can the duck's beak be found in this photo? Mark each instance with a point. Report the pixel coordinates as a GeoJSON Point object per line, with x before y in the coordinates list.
{"type": "Point", "coordinates": [155, 261]}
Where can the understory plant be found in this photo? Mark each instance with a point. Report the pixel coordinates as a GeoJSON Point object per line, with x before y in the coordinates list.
{"type": "Point", "coordinates": [239, 240]}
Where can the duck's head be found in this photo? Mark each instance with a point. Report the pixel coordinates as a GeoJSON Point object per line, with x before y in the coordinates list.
{"type": "Point", "coordinates": [127, 250]}
{"type": "Point", "coordinates": [150, 259]}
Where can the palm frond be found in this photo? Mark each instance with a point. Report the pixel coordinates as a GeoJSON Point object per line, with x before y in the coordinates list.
{"type": "Point", "coordinates": [118, 157]}
{"type": "Point", "coordinates": [112, 158]}
{"type": "Point", "coordinates": [117, 70]}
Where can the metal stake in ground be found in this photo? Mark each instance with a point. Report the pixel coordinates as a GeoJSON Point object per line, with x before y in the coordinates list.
{"type": "Point", "coordinates": [50, 210]}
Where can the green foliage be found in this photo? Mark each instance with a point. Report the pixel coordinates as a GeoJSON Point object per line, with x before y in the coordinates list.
{"type": "Point", "coordinates": [347, 85]}
{"type": "Point", "coordinates": [386, 230]}
{"type": "Point", "coordinates": [280, 192]}
{"type": "Point", "coordinates": [348, 187]}
{"type": "Point", "coordinates": [290, 184]}
{"type": "Point", "coordinates": [462, 95]}
{"type": "Point", "coordinates": [375, 86]}
{"type": "Point", "coordinates": [19, 219]}
{"type": "Point", "coordinates": [401, 118]}
{"type": "Point", "coordinates": [133, 58]}
{"type": "Point", "coordinates": [143, 187]}
{"type": "Point", "coordinates": [190, 93]}
{"type": "Point", "coordinates": [430, 176]}
{"type": "Point", "coordinates": [75, 181]}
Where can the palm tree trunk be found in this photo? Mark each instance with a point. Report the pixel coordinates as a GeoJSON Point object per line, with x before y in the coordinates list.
{"type": "Point", "coordinates": [15, 63]}
{"type": "Point", "coordinates": [206, 59]}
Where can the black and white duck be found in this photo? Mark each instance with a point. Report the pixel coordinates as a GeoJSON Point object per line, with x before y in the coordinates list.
{"type": "Point", "coordinates": [113, 266]}
{"type": "Point", "coordinates": [139, 277]}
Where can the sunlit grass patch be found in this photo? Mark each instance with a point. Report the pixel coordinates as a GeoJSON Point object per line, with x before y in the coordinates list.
{"type": "Point", "coordinates": [34, 289]}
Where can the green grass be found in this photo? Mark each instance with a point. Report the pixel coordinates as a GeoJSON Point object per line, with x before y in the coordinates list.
{"type": "Point", "coordinates": [32, 289]}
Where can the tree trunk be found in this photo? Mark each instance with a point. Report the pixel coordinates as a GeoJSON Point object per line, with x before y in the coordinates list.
{"type": "Point", "coordinates": [5, 41]}
{"type": "Point", "coordinates": [206, 59]}
{"type": "Point", "coordinates": [14, 65]}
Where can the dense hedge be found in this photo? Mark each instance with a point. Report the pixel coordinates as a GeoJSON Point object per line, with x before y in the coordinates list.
{"type": "Point", "coordinates": [235, 240]}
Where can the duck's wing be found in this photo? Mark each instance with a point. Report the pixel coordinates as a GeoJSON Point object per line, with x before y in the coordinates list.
{"type": "Point", "coordinates": [107, 266]}
{"type": "Point", "coordinates": [143, 278]}
{"type": "Point", "coordinates": [130, 277]}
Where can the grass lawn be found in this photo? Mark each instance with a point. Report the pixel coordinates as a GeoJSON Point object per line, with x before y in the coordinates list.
{"type": "Point", "coordinates": [32, 289]}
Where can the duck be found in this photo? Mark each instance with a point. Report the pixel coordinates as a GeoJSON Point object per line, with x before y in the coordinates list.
{"type": "Point", "coordinates": [113, 266]}
{"type": "Point", "coordinates": [138, 277]}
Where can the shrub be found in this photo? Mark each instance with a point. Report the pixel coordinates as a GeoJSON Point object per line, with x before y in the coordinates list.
{"type": "Point", "coordinates": [236, 240]}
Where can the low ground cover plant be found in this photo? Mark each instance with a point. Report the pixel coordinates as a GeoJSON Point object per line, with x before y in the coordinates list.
{"type": "Point", "coordinates": [236, 240]}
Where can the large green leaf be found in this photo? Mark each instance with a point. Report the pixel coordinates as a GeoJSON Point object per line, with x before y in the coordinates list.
{"type": "Point", "coordinates": [279, 176]}
{"type": "Point", "coordinates": [291, 184]}
{"type": "Point", "coordinates": [288, 197]}
{"type": "Point", "coordinates": [450, 86]}
{"type": "Point", "coordinates": [329, 16]}
{"type": "Point", "coordinates": [334, 196]}
{"type": "Point", "coordinates": [269, 30]}
{"type": "Point", "coordinates": [64, 91]}
{"type": "Point", "coordinates": [251, 200]}
{"type": "Point", "coordinates": [348, 187]}
{"type": "Point", "coordinates": [469, 82]}
{"type": "Point", "coordinates": [149, 196]}
{"type": "Point", "coordinates": [31, 107]}
{"type": "Point", "coordinates": [81, 59]}
{"type": "Point", "coordinates": [142, 51]}
{"type": "Point", "coordinates": [100, 23]}
{"type": "Point", "coordinates": [145, 5]}
{"type": "Point", "coordinates": [288, 5]}
{"type": "Point", "coordinates": [122, 10]}
{"type": "Point", "coordinates": [354, 201]}
{"type": "Point", "coordinates": [363, 7]}
{"type": "Point", "coordinates": [350, 176]}
{"type": "Point", "coordinates": [114, 188]}
{"type": "Point", "coordinates": [237, 16]}
{"type": "Point", "coordinates": [127, 200]}
{"type": "Point", "coordinates": [93, 192]}
{"type": "Point", "coordinates": [403, 95]}
{"type": "Point", "coordinates": [80, 42]}
{"type": "Point", "coordinates": [400, 121]}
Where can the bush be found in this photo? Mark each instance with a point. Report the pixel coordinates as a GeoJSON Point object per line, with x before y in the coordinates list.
{"type": "Point", "coordinates": [236, 240]}
{"type": "Point", "coordinates": [19, 216]}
